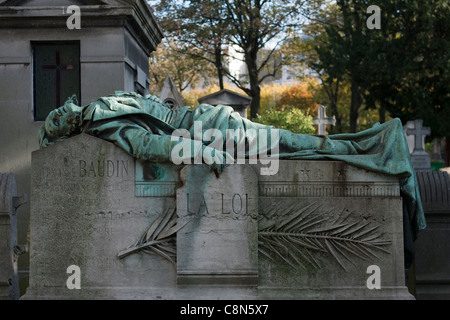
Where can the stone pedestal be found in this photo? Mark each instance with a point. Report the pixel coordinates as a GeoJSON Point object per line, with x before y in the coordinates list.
{"type": "Point", "coordinates": [315, 230]}
{"type": "Point", "coordinates": [421, 161]}
{"type": "Point", "coordinates": [219, 245]}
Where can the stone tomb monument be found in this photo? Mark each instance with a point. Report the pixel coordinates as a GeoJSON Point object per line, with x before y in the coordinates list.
{"type": "Point", "coordinates": [9, 247]}
{"type": "Point", "coordinates": [239, 102]}
{"type": "Point", "coordinates": [315, 230]}
{"type": "Point", "coordinates": [170, 95]}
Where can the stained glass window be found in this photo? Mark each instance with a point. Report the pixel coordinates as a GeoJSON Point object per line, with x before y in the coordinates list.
{"type": "Point", "coordinates": [56, 75]}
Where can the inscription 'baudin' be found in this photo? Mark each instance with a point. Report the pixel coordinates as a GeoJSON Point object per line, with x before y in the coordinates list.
{"type": "Point", "coordinates": [105, 168]}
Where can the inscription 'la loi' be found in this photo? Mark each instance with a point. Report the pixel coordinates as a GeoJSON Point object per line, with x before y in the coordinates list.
{"type": "Point", "coordinates": [237, 205]}
{"type": "Point", "coordinates": [105, 168]}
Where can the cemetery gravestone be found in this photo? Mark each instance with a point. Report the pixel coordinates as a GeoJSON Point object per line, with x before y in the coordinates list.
{"type": "Point", "coordinates": [436, 153]}
{"type": "Point", "coordinates": [321, 121]}
{"type": "Point", "coordinates": [239, 102]}
{"type": "Point", "coordinates": [9, 248]}
{"type": "Point", "coordinates": [170, 95]}
{"type": "Point", "coordinates": [420, 159]}
{"type": "Point", "coordinates": [110, 52]}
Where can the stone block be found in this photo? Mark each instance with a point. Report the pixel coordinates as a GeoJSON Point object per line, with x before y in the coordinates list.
{"type": "Point", "coordinates": [324, 228]}
{"type": "Point", "coordinates": [219, 244]}
{"type": "Point", "coordinates": [84, 212]}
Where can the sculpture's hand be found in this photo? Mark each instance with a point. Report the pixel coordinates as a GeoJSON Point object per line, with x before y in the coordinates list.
{"type": "Point", "coordinates": [216, 159]}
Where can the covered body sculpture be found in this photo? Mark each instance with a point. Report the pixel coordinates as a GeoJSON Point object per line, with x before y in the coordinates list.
{"type": "Point", "coordinates": [143, 126]}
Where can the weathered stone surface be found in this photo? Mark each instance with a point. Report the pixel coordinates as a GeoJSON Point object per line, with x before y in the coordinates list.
{"type": "Point", "coordinates": [309, 232]}
{"type": "Point", "coordinates": [325, 179]}
{"type": "Point", "coordinates": [156, 179]}
{"type": "Point", "coordinates": [322, 225]}
{"type": "Point", "coordinates": [434, 191]}
{"type": "Point", "coordinates": [219, 244]}
{"type": "Point", "coordinates": [84, 212]}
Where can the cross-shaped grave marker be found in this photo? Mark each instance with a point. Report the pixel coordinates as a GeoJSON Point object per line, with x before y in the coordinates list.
{"type": "Point", "coordinates": [321, 121]}
{"type": "Point", "coordinates": [419, 132]}
{"type": "Point", "coordinates": [419, 158]}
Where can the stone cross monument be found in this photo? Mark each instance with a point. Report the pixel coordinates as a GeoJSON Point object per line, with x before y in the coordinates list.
{"type": "Point", "coordinates": [321, 121]}
{"type": "Point", "coordinates": [420, 159]}
{"type": "Point", "coordinates": [419, 131]}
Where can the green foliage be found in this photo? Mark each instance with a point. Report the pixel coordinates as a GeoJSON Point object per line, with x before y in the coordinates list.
{"type": "Point", "coordinates": [185, 69]}
{"type": "Point", "coordinates": [418, 59]}
{"type": "Point", "coordinates": [298, 95]}
{"type": "Point", "coordinates": [211, 26]}
{"type": "Point", "coordinates": [305, 53]}
{"type": "Point", "coordinates": [401, 68]}
{"type": "Point", "coordinates": [288, 118]}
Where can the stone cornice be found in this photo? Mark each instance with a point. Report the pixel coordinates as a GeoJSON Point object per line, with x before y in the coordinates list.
{"type": "Point", "coordinates": [136, 16]}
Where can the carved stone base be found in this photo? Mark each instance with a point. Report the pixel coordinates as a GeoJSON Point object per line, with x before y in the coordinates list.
{"type": "Point", "coordinates": [315, 230]}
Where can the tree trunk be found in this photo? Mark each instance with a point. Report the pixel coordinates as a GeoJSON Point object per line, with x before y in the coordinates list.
{"type": "Point", "coordinates": [255, 104]}
{"type": "Point", "coordinates": [356, 103]}
{"type": "Point", "coordinates": [220, 75]}
{"type": "Point", "coordinates": [334, 112]}
{"type": "Point", "coordinates": [219, 66]}
{"type": "Point", "coordinates": [255, 89]}
{"type": "Point", "coordinates": [334, 96]}
{"type": "Point", "coordinates": [255, 93]}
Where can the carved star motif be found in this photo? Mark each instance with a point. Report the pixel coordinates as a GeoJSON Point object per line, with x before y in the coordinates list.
{"type": "Point", "coordinates": [305, 172]}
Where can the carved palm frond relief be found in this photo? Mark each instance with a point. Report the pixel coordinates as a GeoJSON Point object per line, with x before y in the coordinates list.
{"type": "Point", "coordinates": [160, 237]}
{"type": "Point", "coordinates": [297, 236]}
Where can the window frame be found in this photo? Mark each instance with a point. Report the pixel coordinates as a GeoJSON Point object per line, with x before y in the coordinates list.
{"type": "Point", "coordinates": [34, 69]}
